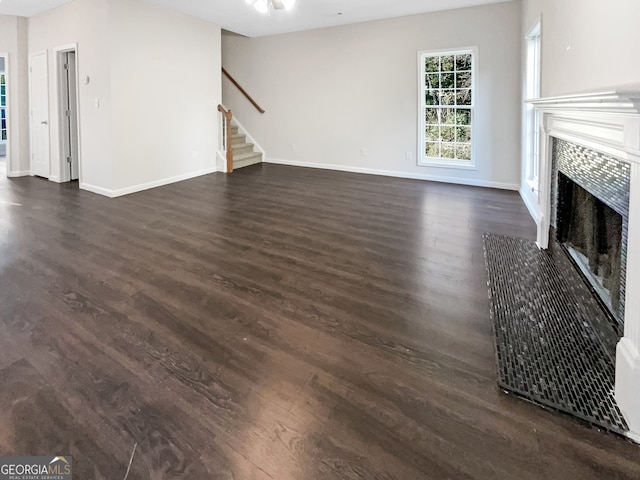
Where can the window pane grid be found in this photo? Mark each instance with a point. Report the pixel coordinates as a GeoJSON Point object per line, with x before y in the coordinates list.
{"type": "Point", "coordinates": [3, 104]}
{"type": "Point", "coordinates": [448, 103]}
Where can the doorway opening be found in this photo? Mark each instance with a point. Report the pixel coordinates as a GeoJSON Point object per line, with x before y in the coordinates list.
{"type": "Point", "coordinates": [68, 114]}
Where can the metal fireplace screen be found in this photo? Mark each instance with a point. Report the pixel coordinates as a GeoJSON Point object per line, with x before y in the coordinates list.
{"type": "Point", "coordinates": [607, 179]}
{"type": "Point", "coordinates": [555, 344]}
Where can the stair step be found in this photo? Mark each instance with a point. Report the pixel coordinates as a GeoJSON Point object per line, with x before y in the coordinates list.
{"type": "Point", "coordinates": [242, 148]}
{"type": "Point", "coordinates": [238, 142]}
{"type": "Point", "coordinates": [238, 138]}
{"type": "Point", "coordinates": [243, 153]}
{"type": "Point", "coordinates": [246, 156]}
{"type": "Point", "coordinates": [246, 159]}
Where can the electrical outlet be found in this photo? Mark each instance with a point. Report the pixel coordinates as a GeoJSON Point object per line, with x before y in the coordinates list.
{"type": "Point", "coordinates": [409, 156]}
{"type": "Point", "coordinates": [293, 147]}
{"type": "Point", "coordinates": [363, 152]}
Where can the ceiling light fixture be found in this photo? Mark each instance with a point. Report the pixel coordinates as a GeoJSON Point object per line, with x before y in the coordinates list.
{"type": "Point", "coordinates": [265, 6]}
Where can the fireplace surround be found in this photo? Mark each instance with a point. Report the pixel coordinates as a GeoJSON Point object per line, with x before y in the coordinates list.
{"type": "Point", "coordinates": [590, 215]}
{"type": "Point", "coordinates": [602, 127]}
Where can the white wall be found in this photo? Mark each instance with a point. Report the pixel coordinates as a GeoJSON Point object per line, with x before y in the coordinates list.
{"type": "Point", "coordinates": [148, 114]}
{"type": "Point", "coordinates": [602, 37]}
{"type": "Point", "coordinates": [13, 41]}
{"type": "Point", "coordinates": [587, 46]}
{"type": "Point", "coordinates": [165, 89]}
{"type": "Point", "coordinates": [84, 22]}
{"type": "Point", "coordinates": [335, 91]}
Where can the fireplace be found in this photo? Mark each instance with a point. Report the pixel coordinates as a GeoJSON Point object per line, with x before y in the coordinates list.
{"type": "Point", "coordinates": [590, 213]}
{"type": "Point", "coordinates": [587, 196]}
{"type": "Point", "coordinates": [591, 231]}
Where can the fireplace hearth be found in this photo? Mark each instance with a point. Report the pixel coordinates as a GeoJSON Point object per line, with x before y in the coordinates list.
{"type": "Point", "coordinates": [555, 344]}
{"type": "Point", "coordinates": [589, 168]}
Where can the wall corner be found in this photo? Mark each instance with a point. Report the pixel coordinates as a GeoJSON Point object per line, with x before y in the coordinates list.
{"type": "Point", "coordinates": [627, 381]}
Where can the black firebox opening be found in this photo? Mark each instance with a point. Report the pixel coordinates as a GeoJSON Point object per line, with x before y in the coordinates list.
{"type": "Point", "coordinates": [592, 233]}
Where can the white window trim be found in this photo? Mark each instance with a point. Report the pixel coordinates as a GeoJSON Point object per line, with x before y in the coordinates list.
{"type": "Point", "coordinates": [423, 160]}
{"type": "Point", "coordinates": [530, 125]}
{"type": "Point", "coordinates": [6, 106]}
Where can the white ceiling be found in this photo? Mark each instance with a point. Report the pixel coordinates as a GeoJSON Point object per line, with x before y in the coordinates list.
{"type": "Point", "coordinates": [238, 17]}
{"type": "Point", "coordinates": [26, 8]}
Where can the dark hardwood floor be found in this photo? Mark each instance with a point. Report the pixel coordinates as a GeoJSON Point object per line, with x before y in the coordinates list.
{"type": "Point", "coordinates": [277, 323]}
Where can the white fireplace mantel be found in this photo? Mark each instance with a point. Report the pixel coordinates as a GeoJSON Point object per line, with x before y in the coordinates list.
{"type": "Point", "coordinates": [608, 122]}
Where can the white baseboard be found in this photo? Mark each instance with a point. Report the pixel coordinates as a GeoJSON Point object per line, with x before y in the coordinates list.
{"type": "Point", "coordinates": [392, 173]}
{"type": "Point", "coordinates": [528, 202]}
{"type": "Point", "coordinates": [18, 173]}
{"type": "Point", "coordinates": [55, 179]}
{"type": "Point", "coordinates": [145, 186]}
{"type": "Point", "coordinates": [99, 190]}
{"type": "Point", "coordinates": [627, 385]}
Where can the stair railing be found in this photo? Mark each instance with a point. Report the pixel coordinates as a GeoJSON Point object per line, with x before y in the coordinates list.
{"type": "Point", "coordinates": [242, 90]}
{"type": "Point", "coordinates": [226, 140]}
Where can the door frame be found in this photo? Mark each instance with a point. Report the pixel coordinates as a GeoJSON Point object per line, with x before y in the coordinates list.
{"type": "Point", "coordinates": [63, 174]}
{"type": "Point", "coordinates": [31, 124]}
{"type": "Point", "coordinates": [7, 107]}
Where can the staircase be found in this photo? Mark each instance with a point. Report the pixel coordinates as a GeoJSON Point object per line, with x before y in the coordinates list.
{"type": "Point", "coordinates": [243, 153]}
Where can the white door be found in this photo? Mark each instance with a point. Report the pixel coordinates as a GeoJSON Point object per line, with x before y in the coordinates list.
{"type": "Point", "coordinates": [39, 98]}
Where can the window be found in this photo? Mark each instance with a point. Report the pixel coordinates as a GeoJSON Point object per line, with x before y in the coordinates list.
{"type": "Point", "coordinates": [3, 109]}
{"type": "Point", "coordinates": [532, 118]}
{"type": "Point", "coordinates": [446, 113]}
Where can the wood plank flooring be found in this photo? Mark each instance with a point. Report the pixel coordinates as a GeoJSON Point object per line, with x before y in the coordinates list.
{"type": "Point", "coordinates": [276, 323]}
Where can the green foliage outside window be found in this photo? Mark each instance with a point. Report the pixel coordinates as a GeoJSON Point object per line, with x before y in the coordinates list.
{"type": "Point", "coordinates": [448, 103]}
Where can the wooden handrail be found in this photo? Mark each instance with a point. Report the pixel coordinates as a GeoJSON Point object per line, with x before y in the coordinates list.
{"type": "Point", "coordinates": [242, 90]}
{"type": "Point", "coordinates": [228, 116]}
